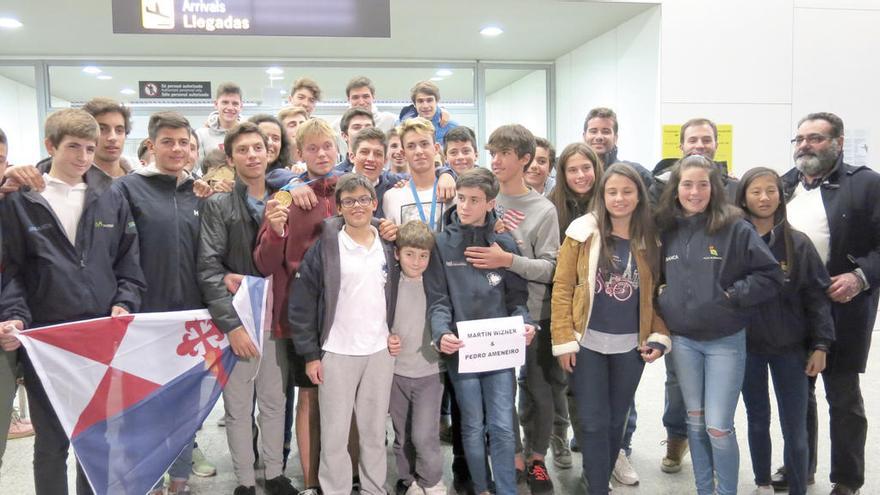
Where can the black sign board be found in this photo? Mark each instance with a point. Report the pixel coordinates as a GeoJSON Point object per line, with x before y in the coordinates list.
{"type": "Point", "coordinates": [340, 18]}
{"type": "Point", "coordinates": [175, 90]}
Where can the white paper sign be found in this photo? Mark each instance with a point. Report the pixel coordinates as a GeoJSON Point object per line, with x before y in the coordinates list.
{"type": "Point", "coordinates": [491, 344]}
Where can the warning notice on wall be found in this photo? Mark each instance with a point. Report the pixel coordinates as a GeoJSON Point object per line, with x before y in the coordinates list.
{"type": "Point", "coordinates": [175, 90]}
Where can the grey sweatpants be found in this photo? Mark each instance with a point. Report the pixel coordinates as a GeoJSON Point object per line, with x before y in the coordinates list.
{"type": "Point", "coordinates": [415, 414]}
{"type": "Point", "coordinates": [361, 384]}
{"type": "Point", "coordinates": [8, 364]}
{"type": "Point", "coordinates": [270, 371]}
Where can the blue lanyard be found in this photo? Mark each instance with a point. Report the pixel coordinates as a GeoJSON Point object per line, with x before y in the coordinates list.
{"type": "Point", "coordinates": [415, 193]}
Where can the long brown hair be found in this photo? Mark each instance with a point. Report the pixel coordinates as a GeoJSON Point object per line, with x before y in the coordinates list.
{"type": "Point", "coordinates": [642, 232]}
{"type": "Point", "coordinates": [569, 204]}
{"type": "Point", "coordinates": [780, 216]}
{"type": "Point", "coordinates": [720, 214]}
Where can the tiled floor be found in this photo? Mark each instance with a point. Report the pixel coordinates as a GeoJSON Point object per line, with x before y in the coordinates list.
{"type": "Point", "coordinates": [16, 477]}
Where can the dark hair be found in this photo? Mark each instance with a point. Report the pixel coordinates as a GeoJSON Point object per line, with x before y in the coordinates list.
{"type": "Point", "coordinates": [460, 134]}
{"type": "Point", "coordinates": [642, 232]}
{"type": "Point", "coordinates": [569, 204]}
{"type": "Point", "coordinates": [360, 82]}
{"type": "Point", "coordinates": [835, 121]}
{"type": "Point", "coordinates": [142, 148]}
{"type": "Point", "coordinates": [780, 216]}
{"type": "Point", "coordinates": [99, 106]}
{"type": "Point", "coordinates": [228, 88]}
{"type": "Point", "coordinates": [415, 234]}
{"type": "Point", "coordinates": [306, 83]}
{"type": "Point", "coordinates": [283, 160]}
{"type": "Point", "coordinates": [513, 137]}
{"type": "Point", "coordinates": [547, 145]}
{"type": "Point", "coordinates": [166, 120]}
{"type": "Point", "coordinates": [720, 213]}
{"type": "Point", "coordinates": [425, 88]}
{"type": "Point", "coordinates": [480, 178]}
{"type": "Point", "coordinates": [3, 139]}
{"type": "Point", "coordinates": [352, 113]}
{"type": "Point", "coordinates": [213, 159]}
{"type": "Point", "coordinates": [350, 182]}
{"type": "Point", "coordinates": [601, 113]}
{"type": "Point", "coordinates": [369, 134]}
{"type": "Point", "coordinates": [695, 122]}
{"type": "Point", "coordinates": [238, 131]}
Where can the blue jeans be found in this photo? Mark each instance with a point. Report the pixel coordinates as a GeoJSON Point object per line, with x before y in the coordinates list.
{"type": "Point", "coordinates": [790, 384]}
{"type": "Point", "coordinates": [181, 467]}
{"type": "Point", "coordinates": [674, 412]}
{"type": "Point", "coordinates": [491, 392]}
{"type": "Point", "coordinates": [603, 386]}
{"type": "Point", "coordinates": [710, 374]}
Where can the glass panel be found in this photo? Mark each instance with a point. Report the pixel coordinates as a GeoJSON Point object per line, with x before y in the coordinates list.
{"type": "Point", "coordinates": [19, 118]}
{"type": "Point", "coordinates": [516, 96]}
{"type": "Point", "coordinates": [263, 92]}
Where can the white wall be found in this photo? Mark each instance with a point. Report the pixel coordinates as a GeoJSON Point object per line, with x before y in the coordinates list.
{"type": "Point", "coordinates": [619, 69]}
{"type": "Point", "coordinates": [19, 121]}
{"type": "Point", "coordinates": [758, 65]}
{"type": "Point", "coordinates": [522, 102]}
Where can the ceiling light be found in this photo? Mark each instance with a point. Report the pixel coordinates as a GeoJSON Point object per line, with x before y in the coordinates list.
{"type": "Point", "coordinates": [91, 69]}
{"type": "Point", "coordinates": [491, 31]}
{"type": "Point", "coordinates": [274, 71]}
{"type": "Point", "coordinates": [10, 23]}
{"type": "Point", "coordinates": [128, 91]}
{"type": "Point", "coordinates": [105, 77]}
{"type": "Point", "coordinates": [444, 73]}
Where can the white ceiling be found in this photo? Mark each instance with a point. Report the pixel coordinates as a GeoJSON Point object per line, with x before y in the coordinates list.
{"type": "Point", "coordinates": [535, 30]}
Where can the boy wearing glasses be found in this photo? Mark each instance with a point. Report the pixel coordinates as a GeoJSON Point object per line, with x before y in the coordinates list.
{"type": "Point", "coordinates": [345, 347]}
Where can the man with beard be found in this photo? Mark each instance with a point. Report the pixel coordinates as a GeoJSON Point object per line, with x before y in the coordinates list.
{"type": "Point", "coordinates": [835, 205]}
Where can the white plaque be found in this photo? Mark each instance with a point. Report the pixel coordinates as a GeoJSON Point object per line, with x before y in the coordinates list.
{"type": "Point", "coordinates": [491, 344]}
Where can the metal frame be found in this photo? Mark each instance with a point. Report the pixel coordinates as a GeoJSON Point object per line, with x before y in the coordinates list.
{"type": "Point", "coordinates": [478, 67]}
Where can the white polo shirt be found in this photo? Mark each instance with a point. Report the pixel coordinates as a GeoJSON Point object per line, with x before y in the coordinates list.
{"type": "Point", "coordinates": [360, 323]}
{"type": "Point", "coordinates": [67, 202]}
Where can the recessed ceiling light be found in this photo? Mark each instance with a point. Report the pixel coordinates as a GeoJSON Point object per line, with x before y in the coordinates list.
{"type": "Point", "coordinates": [91, 69]}
{"type": "Point", "coordinates": [105, 77]}
{"type": "Point", "coordinates": [436, 78]}
{"type": "Point", "coordinates": [128, 91]}
{"type": "Point", "coordinates": [274, 71]}
{"type": "Point", "coordinates": [444, 73]}
{"type": "Point", "coordinates": [10, 23]}
{"type": "Point", "coordinates": [491, 31]}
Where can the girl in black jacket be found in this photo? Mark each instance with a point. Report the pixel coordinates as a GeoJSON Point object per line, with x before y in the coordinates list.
{"type": "Point", "coordinates": [789, 334]}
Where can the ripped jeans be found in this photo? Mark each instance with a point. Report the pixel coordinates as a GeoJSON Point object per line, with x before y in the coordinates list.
{"type": "Point", "coordinates": [710, 374]}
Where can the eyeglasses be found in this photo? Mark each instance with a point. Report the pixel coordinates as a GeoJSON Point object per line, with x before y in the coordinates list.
{"type": "Point", "coordinates": [810, 139]}
{"type": "Point", "coordinates": [361, 201]}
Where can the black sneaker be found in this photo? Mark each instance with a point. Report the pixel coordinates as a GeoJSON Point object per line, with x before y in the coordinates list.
{"type": "Point", "coordinates": [245, 490]}
{"type": "Point", "coordinates": [356, 483]}
{"type": "Point", "coordinates": [280, 485]}
{"type": "Point", "coordinates": [400, 487]}
{"type": "Point", "coordinates": [539, 478]}
{"type": "Point", "coordinates": [780, 483]}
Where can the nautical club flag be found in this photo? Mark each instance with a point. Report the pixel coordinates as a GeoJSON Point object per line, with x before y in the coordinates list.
{"type": "Point", "coordinates": [131, 391]}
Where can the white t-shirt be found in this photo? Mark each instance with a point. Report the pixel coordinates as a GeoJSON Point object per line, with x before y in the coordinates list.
{"type": "Point", "coordinates": [360, 324]}
{"type": "Point", "coordinates": [67, 202]}
{"type": "Point", "coordinates": [399, 206]}
{"type": "Point", "coordinates": [806, 212]}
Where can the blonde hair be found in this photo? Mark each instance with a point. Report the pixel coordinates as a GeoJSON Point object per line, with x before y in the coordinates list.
{"type": "Point", "coordinates": [71, 122]}
{"type": "Point", "coordinates": [288, 112]}
{"type": "Point", "coordinates": [420, 125]}
{"type": "Point", "coordinates": [311, 128]}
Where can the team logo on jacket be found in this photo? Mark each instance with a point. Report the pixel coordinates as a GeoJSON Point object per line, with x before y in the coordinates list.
{"type": "Point", "coordinates": [713, 254]}
{"type": "Point", "coordinates": [494, 278]}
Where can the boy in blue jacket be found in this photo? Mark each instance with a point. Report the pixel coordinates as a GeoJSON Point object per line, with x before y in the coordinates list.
{"type": "Point", "coordinates": [457, 291]}
{"type": "Point", "coordinates": [70, 253]}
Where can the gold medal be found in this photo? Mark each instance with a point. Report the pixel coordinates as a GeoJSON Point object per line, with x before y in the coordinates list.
{"type": "Point", "coordinates": [284, 198]}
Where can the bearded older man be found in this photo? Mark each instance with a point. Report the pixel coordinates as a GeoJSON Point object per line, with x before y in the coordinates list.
{"type": "Point", "coordinates": [836, 205]}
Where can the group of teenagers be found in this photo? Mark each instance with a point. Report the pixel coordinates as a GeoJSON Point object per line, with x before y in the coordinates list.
{"type": "Point", "coordinates": [376, 257]}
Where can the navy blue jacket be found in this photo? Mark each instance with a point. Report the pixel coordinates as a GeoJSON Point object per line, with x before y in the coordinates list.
{"type": "Point", "coordinates": [167, 218]}
{"type": "Point", "coordinates": [799, 316]}
{"type": "Point", "coordinates": [850, 195]}
{"type": "Point", "coordinates": [711, 282]}
{"type": "Point", "coordinates": [456, 291]}
{"type": "Point", "coordinates": [48, 280]}
{"type": "Point", "coordinates": [314, 292]}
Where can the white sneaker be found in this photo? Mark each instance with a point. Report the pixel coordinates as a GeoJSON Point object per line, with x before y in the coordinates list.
{"type": "Point", "coordinates": [438, 489]}
{"type": "Point", "coordinates": [763, 490]}
{"type": "Point", "coordinates": [623, 471]}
